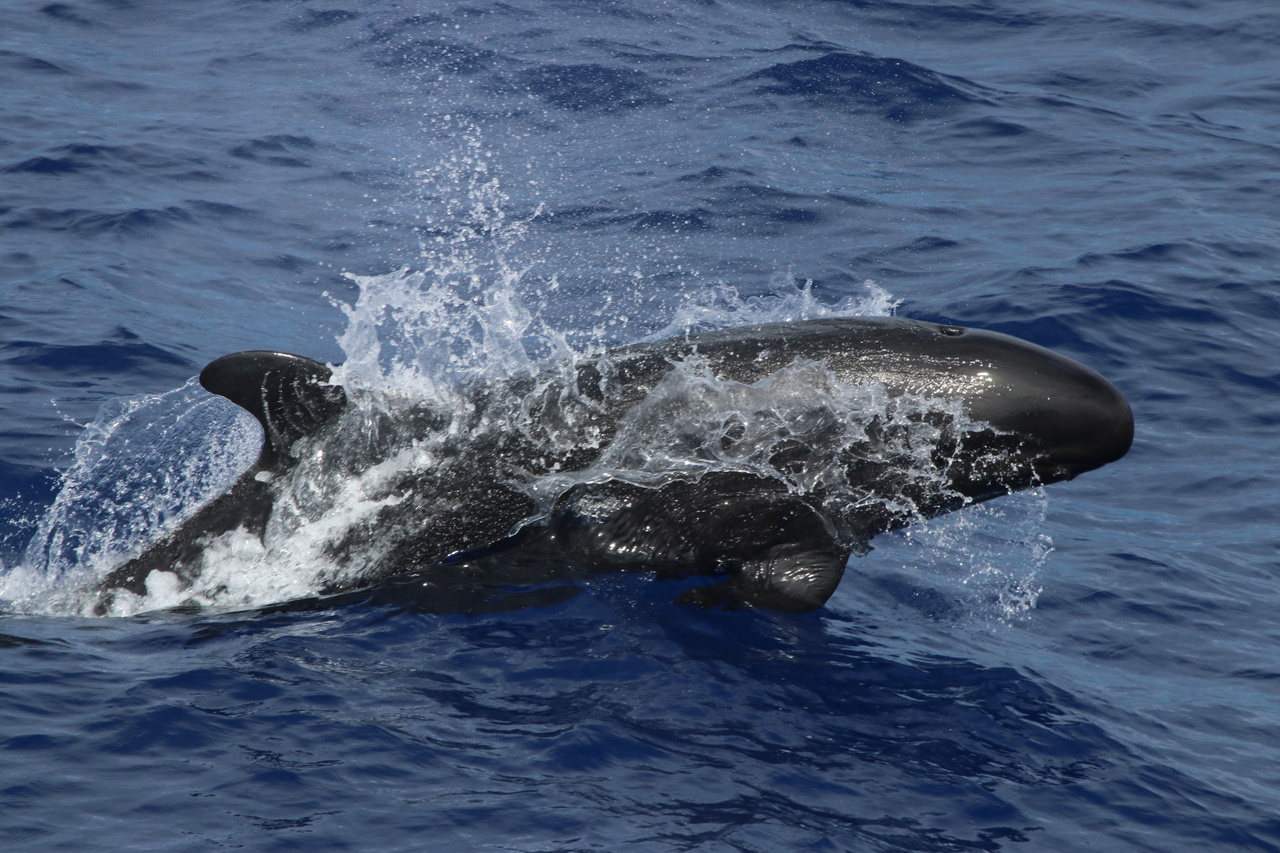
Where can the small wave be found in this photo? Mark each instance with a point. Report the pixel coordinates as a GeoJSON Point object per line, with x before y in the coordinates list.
{"type": "Point", "coordinates": [64, 12]}
{"type": "Point", "coordinates": [432, 56]}
{"type": "Point", "coordinates": [278, 150]}
{"type": "Point", "coordinates": [67, 158]}
{"type": "Point", "coordinates": [77, 157]}
{"type": "Point", "coordinates": [592, 88]}
{"type": "Point", "coordinates": [135, 222]}
{"type": "Point", "coordinates": [894, 88]}
{"type": "Point", "coordinates": [320, 19]}
{"type": "Point", "coordinates": [25, 63]}
{"type": "Point", "coordinates": [89, 360]}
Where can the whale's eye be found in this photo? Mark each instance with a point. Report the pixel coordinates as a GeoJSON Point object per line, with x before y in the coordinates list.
{"type": "Point", "coordinates": [951, 331]}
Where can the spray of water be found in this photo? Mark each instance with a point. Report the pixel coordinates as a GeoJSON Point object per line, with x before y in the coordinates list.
{"type": "Point", "coordinates": [141, 466]}
{"type": "Point", "coordinates": [980, 566]}
{"type": "Point", "coordinates": [419, 345]}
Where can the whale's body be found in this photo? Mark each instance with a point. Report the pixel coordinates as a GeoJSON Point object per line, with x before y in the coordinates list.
{"type": "Point", "coordinates": [775, 506]}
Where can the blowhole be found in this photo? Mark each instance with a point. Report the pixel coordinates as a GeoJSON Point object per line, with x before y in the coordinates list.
{"type": "Point", "coordinates": [951, 331]}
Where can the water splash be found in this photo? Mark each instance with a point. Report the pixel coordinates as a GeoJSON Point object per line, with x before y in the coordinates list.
{"type": "Point", "coordinates": [141, 467]}
{"type": "Point", "coordinates": [982, 564]}
{"type": "Point", "coordinates": [461, 315]}
{"type": "Point", "coordinates": [420, 344]}
{"type": "Point", "coordinates": [721, 306]}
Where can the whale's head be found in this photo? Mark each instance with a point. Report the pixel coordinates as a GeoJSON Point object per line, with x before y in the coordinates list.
{"type": "Point", "coordinates": [1070, 418]}
{"type": "Point", "coordinates": [1050, 418]}
{"type": "Point", "coordinates": [1012, 414]}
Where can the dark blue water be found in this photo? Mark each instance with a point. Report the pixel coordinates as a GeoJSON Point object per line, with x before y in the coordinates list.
{"type": "Point", "coordinates": [1093, 667]}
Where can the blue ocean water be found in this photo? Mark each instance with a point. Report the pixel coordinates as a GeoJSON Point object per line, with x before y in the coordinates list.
{"type": "Point", "coordinates": [1089, 667]}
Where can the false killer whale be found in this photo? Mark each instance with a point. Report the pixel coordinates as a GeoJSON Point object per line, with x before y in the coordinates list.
{"type": "Point", "coordinates": [773, 505]}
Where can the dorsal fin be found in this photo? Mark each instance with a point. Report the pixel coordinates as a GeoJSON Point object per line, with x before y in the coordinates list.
{"type": "Point", "coordinates": [286, 393]}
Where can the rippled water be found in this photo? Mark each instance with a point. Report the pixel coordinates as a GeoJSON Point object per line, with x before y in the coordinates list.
{"type": "Point", "coordinates": [1087, 667]}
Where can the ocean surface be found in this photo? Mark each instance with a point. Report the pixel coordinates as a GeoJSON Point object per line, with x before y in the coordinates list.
{"type": "Point", "coordinates": [425, 192]}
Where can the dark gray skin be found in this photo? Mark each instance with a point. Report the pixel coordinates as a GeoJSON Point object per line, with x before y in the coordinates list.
{"type": "Point", "coordinates": [1050, 419]}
